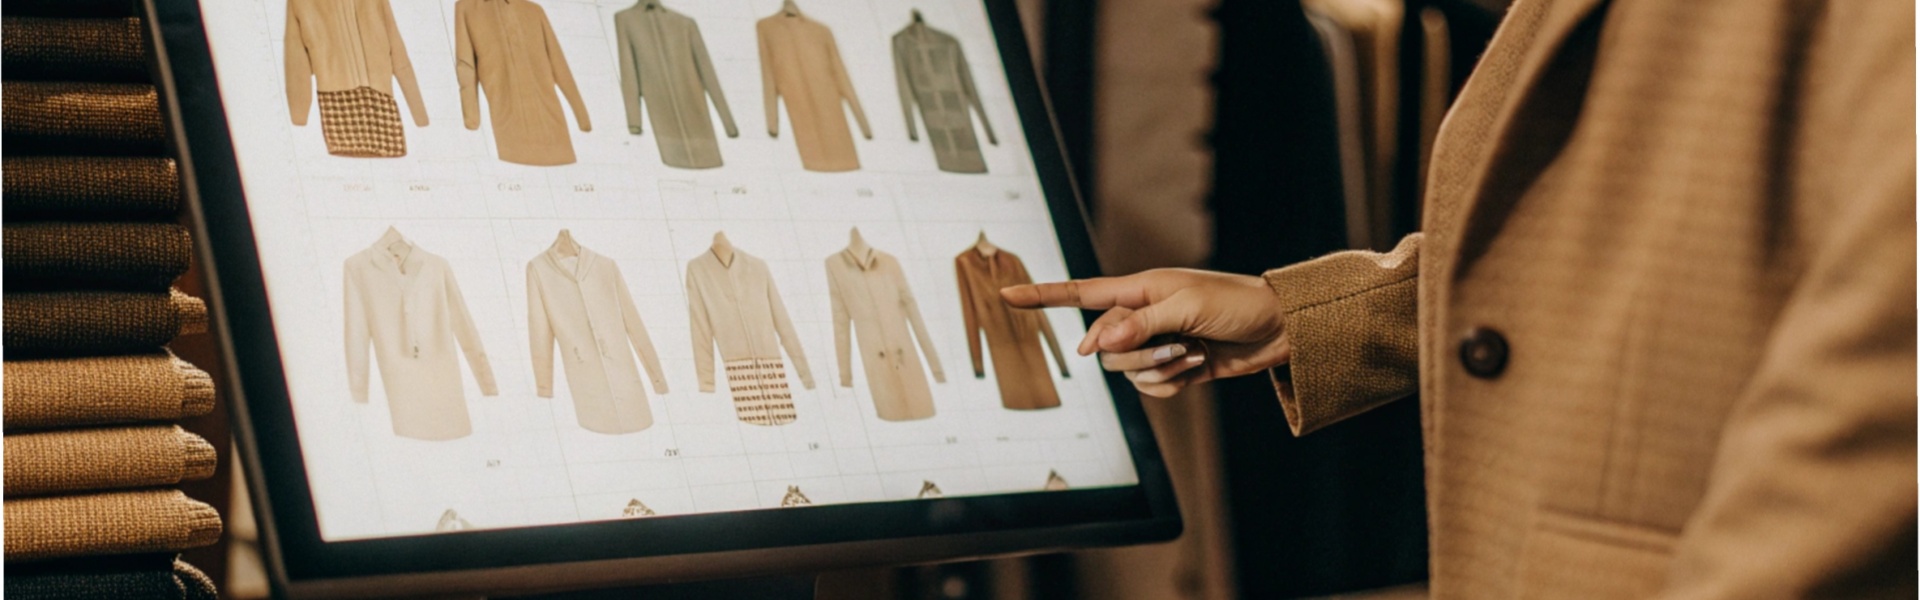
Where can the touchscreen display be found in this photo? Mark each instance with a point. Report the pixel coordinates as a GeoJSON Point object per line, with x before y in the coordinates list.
{"type": "Point", "coordinates": [553, 261]}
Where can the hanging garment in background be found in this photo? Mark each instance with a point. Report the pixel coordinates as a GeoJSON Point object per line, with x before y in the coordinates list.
{"type": "Point", "coordinates": [932, 73]}
{"type": "Point", "coordinates": [1436, 88]}
{"type": "Point", "coordinates": [1343, 73]}
{"type": "Point", "coordinates": [1374, 27]}
{"type": "Point", "coordinates": [871, 298]}
{"type": "Point", "coordinates": [736, 307]}
{"type": "Point", "coordinates": [581, 303]}
{"type": "Point", "coordinates": [351, 52]}
{"type": "Point", "coordinates": [664, 65]}
{"type": "Point", "coordinates": [403, 303]}
{"type": "Point", "coordinates": [1013, 336]}
{"type": "Point", "coordinates": [507, 47]}
{"type": "Point", "coordinates": [800, 62]}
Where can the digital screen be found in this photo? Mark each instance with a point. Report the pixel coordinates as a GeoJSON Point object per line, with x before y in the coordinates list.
{"type": "Point", "coordinates": [562, 261]}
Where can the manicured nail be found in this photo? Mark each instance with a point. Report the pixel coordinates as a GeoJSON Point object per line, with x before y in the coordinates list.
{"type": "Point", "coordinates": [1196, 359]}
{"type": "Point", "coordinates": [1163, 353]}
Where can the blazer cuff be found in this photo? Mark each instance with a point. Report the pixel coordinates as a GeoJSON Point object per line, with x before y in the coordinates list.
{"type": "Point", "coordinates": [1352, 320]}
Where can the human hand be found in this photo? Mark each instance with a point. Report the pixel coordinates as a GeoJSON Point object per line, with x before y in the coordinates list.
{"type": "Point", "coordinates": [1230, 324]}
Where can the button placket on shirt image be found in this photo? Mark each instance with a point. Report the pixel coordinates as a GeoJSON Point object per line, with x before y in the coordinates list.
{"type": "Point", "coordinates": [588, 310]}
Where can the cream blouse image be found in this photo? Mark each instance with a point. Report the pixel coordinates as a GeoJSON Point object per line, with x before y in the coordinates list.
{"type": "Point", "coordinates": [577, 300]}
{"type": "Point", "coordinates": [403, 303]}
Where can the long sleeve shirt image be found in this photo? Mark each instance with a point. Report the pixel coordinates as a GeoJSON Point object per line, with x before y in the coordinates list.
{"type": "Point", "coordinates": [404, 305]}
{"type": "Point", "coordinates": [932, 74]}
{"type": "Point", "coordinates": [800, 63]}
{"type": "Point", "coordinates": [665, 69]}
{"type": "Point", "coordinates": [349, 53]}
{"type": "Point", "coordinates": [581, 305]}
{"type": "Point", "coordinates": [734, 306]}
{"type": "Point", "coordinates": [507, 49]}
{"type": "Point", "coordinates": [871, 299]}
{"type": "Point", "coordinates": [1012, 335]}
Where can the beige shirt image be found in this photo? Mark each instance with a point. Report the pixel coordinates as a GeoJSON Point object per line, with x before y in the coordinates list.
{"type": "Point", "coordinates": [871, 299]}
{"type": "Point", "coordinates": [507, 49]}
{"type": "Point", "coordinates": [580, 304]}
{"type": "Point", "coordinates": [340, 45]}
{"type": "Point", "coordinates": [800, 63]}
{"type": "Point", "coordinates": [735, 306]}
{"type": "Point", "coordinates": [404, 304]}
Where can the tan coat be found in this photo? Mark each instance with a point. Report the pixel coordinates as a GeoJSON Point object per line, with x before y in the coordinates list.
{"type": "Point", "coordinates": [581, 304]}
{"type": "Point", "coordinates": [800, 62]}
{"type": "Point", "coordinates": [871, 298]}
{"type": "Point", "coordinates": [1013, 336]}
{"type": "Point", "coordinates": [1693, 231]}
{"type": "Point", "coordinates": [404, 304]}
{"type": "Point", "coordinates": [507, 48]}
{"type": "Point", "coordinates": [339, 45]}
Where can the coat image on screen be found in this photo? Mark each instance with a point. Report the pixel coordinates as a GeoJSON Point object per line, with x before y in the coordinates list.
{"type": "Point", "coordinates": [507, 48]}
{"type": "Point", "coordinates": [1012, 336]}
{"type": "Point", "coordinates": [800, 63]}
{"type": "Point", "coordinates": [664, 68]}
{"type": "Point", "coordinates": [403, 303]}
{"type": "Point", "coordinates": [578, 302]}
{"type": "Point", "coordinates": [733, 305]}
{"type": "Point", "coordinates": [933, 75]}
{"type": "Point", "coordinates": [872, 302]}
{"type": "Point", "coordinates": [349, 53]}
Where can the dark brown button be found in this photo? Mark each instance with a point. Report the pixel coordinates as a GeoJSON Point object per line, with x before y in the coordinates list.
{"type": "Point", "coordinates": [1483, 352]}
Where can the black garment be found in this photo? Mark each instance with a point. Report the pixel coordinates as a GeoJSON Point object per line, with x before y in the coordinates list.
{"type": "Point", "coordinates": [129, 577]}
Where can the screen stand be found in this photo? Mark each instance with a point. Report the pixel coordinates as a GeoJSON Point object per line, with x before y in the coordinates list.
{"type": "Point", "coordinates": [782, 587]}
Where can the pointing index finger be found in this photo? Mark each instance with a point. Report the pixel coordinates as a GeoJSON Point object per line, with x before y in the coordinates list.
{"type": "Point", "coordinates": [1095, 293]}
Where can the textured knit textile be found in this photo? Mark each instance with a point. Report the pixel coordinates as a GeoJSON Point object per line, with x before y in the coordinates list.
{"type": "Point", "coordinates": [932, 74]}
{"type": "Point", "coordinates": [581, 305]}
{"type": "Point", "coordinates": [79, 460]}
{"type": "Point", "coordinates": [73, 9]}
{"type": "Point", "coordinates": [90, 188]}
{"type": "Point", "coordinates": [800, 63]}
{"type": "Point", "coordinates": [507, 49]}
{"type": "Point", "coordinates": [100, 390]}
{"type": "Point", "coordinates": [664, 65]}
{"type": "Point", "coordinates": [760, 392]}
{"type": "Point", "coordinates": [129, 577]}
{"type": "Point", "coordinates": [73, 323]}
{"type": "Point", "coordinates": [90, 118]}
{"type": "Point", "coordinates": [1693, 225]}
{"type": "Point", "coordinates": [1014, 336]}
{"type": "Point", "coordinates": [404, 310]}
{"type": "Point", "coordinates": [362, 122]}
{"type": "Point", "coordinates": [70, 49]}
{"type": "Point", "coordinates": [107, 523]}
{"type": "Point", "coordinates": [120, 256]}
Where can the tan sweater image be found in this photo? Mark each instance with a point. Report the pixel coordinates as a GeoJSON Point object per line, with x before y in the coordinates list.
{"type": "Point", "coordinates": [507, 49]}
{"type": "Point", "coordinates": [579, 303]}
{"type": "Point", "coordinates": [339, 45]}
{"type": "Point", "coordinates": [800, 63]}
{"type": "Point", "coordinates": [404, 305]}
{"type": "Point", "coordinates": [872, 303]}
{"type": "Point", "coordinates": [734, 306]}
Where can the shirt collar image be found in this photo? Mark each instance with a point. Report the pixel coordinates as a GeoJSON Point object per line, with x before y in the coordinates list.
{"type": "Point", "coordinates": [582, 266]}
{"type": "Point", "coordinates": [865, 263]}
{"type": "Point", "coordinates": [396, 254]}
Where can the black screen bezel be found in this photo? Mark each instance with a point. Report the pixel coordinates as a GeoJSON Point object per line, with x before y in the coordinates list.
{"type": "Point", "coordinates": [264, 423]}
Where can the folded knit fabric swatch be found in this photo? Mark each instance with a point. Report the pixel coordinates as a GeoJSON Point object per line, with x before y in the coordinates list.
{"type": "Point", "coordinates": [82, 460]}
{"type": "Point", "coordinates": [90, 188]}
{"type": "Point", "coordinates": [73, 323]}
{"type": "Point", "coordinates": [76, 9]}
{"type": "Point", "coordinates": [102, 390]}
{"type": "Point", "coordinates": [133, 577]}
{"type": "Point", "coordinates": [109, 523]}
{"type": "Point", "coordinates": [91, 118]}
{"type": "Point", "coordinates": [120, 256]}
{"type": "Point", "coordinates": [69, 49]}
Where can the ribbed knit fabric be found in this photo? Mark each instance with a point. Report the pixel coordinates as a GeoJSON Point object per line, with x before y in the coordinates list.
{"type": "Point", "coordinates": [91, 118]}
{"type": "Point", "coordinates": [78, 460]}
{"type": "Point", "coordinates": [109, 523]}
{"type": "Point", "coordinates": [75, 9]}
{"type": "Point", "coordinates": [100, 390]}
{"type": "Point", "coordinates": [117, 256]}
{"type": "Point", "coordinates": [134, 577]}
{"type": "Point", "coordinates": [69, 49]}
{"type": "Point", "coordinates": [86, 188]}
{"type": "Point", "coordinates": [74, 323]}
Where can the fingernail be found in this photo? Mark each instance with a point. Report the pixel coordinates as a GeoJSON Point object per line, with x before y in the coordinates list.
{"type": "Point", "coordinates": [1196, 359]}
{"type": "Point", "coordinates": [1163, 353]}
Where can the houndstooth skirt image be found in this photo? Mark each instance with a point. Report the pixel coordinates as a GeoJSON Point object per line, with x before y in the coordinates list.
{"type": "Point", "coordinates": [362, 122]}
{"type": "Point", "coordinates": [760, 394]}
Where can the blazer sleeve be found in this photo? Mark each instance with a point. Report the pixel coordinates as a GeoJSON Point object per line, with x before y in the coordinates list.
{"type": "Point", "coordinates": [842, 328]}
{"type": "Point", "coordinates": [971, 321]}
{"type": "Point", "coordinates": [1813, 491]}
{"type": "Point", "coordinates": [702, 327]}
{"type": "Point", "coordinates": [466, 66]}
{"type": "Point", "coordinates": [845, 84]}
{"type": "Point", "coordinates": [972, 93]}
{"type": "Point", "coordinates": [563, 75]}
{"type": "Point", "coordinates": [359, 337]}
{"type": "Point", "coordinates": [299, 71]}
{"type": "Point", "coordinates": [912, 308]}
{"type": "Point", "coordinates": [1352, 319]}
{"type": "Point", "coordinates": [403, 67]}
{"type": "Point", "coordinates": [711, 79]}
{"type": "Point", "coordinates": [540, 338]}
{"type": "Point", "coordinates": [624, 45]}
{"type": "Point", "coordinates": [904, 81]}
{"type": "Point", "coordinates": [783, 324]}
{"type": "Point", "coordinates": [468, 337]}
{"type": "Point", "coordinates": [637, 335]}
{"type": "Point", "coordinates": [769, 90]}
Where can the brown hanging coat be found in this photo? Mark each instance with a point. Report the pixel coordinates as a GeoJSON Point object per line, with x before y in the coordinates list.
{"type": "Point", "coordinates": [1012, 335]}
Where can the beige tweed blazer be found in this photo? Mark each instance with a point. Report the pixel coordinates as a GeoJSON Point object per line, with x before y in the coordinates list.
{"type": "Point", "coordinates": [1661, 317]}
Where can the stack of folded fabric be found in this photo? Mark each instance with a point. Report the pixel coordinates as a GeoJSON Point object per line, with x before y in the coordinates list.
{"type": "Point", "coordinates": [91, 250]}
